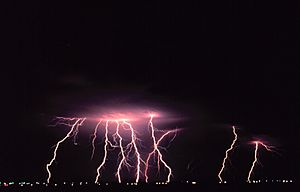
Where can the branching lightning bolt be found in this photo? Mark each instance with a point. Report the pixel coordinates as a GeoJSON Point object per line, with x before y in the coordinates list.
{"type": "Point", "coordinates": [156, 150]}
{"type": "Point", "coordinates": [119, 144]}
{"type": "Point", "coordinates": [226, 153]}
{"type": "Point", "coordinates": [72, 133]}
{"type": "Point", "coordinates": [123, 157]}
{"type": "Point", "coordinates": [257, 143]}
{"type": "Point", "coordinates": [129, 147]}
{"type": "Point", "coordinates": [137, 154]}
{"type": "Point", "coordinates": [123, 160]}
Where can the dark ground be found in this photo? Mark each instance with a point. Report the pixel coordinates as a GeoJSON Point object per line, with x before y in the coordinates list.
{"type": "Point", "coordinates": [169, 188]}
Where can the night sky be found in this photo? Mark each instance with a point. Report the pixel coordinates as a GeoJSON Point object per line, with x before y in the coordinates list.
{"type": "Point", "coordinates": [213, 64]}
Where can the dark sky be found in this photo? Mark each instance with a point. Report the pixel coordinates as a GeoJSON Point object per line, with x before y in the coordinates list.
{"type": "Point", "coordinates": [216, 64]}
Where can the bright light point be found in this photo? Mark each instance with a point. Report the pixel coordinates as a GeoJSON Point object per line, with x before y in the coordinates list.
{"type": "Point", "coordinates": [152, 115]}
{"type": "Point", "coordinates": [194, 182]}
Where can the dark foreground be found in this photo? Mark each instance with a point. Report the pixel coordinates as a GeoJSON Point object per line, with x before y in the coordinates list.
{"type": "Point", "coordinates": [158, 188]}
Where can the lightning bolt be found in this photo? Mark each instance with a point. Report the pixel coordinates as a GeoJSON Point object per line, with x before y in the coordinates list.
{"type": "Point", "coordinates": [129, 155]}
{"type": "Point", "coordinates": [257, 143]}
{"type": "Point", "coordinates": [94, 138]}
{"type": "Point", "coordinates": [118, 143]}
{"type": "Point", "coordinates": [72, 133]}
{"type": "Point", "coordinates": [123, 157]}
{"type": "Point", "coordinates": [226, 153]}
{"type": "Point", "coordinates": [105, 152]}
{"type": "Point", "coordinates": [136, 151]}
{"type": "Point", "coordinates": [156, 150]}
